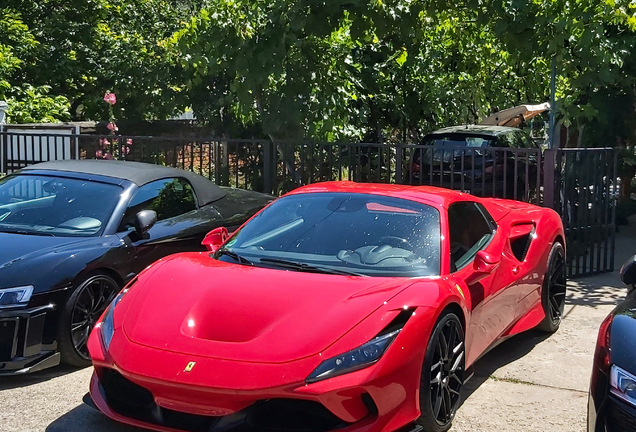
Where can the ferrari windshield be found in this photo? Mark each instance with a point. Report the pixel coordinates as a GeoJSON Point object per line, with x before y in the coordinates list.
{"type": "Point", "coordinates": [341, 233]}
{"type": "Point", "coordinates": [58, 206]}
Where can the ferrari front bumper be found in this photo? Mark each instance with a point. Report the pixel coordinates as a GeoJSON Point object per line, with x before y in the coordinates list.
{"type": "Point", "coordinates": [156, 389]}
{"type": "Point", "coordinates": [264, 415]}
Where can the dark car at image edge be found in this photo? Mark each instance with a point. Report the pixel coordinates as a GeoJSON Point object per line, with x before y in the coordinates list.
{"type": "Point", "coordinates": [73, 233]}
{"type": "Point", "coordinates": [612, 398]}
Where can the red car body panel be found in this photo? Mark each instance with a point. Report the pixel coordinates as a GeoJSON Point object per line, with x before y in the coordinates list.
{"type": "Point", "coordinates": [260, 339]}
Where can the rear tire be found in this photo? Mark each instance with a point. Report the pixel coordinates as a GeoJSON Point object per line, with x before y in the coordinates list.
{"type": "Point", "coordinates": [442, 375]}
{"type": "Point", "coordinates": [554, 290]}
{"type": "Point", "coordinates": [84, 307]}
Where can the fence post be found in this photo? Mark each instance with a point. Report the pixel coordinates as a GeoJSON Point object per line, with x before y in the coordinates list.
{"type": "Point", "coordinates": [549, 167]}
{"type": "Point", "coordinates": [217, 161]}
{"type": "Point", "coordinates": [2, 141]}
{"type": "Point", "coordinates": [614, 200]}
{"type": "Point", "coordinates": [398, 163]}
{"type": "Point", "coordinates": [268, 167]}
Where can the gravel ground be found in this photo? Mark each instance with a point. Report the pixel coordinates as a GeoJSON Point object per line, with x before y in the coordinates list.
{"type": "Point", "coordinates": [529, 383]}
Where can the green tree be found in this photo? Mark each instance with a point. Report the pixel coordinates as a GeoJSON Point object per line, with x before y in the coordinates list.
{"type": "Point", "coordinates": [27, 103]}
{"type": "Point", "coordinates": [85, 47]}
{"type": "Point", "coordinates": [349, 69]}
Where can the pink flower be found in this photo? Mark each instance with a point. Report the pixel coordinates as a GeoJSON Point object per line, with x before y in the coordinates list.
{"type": "Point", "coordinates": [112, 127]}
{"type": "Point", "coordinates": [99, 153]}
{"type": "Point", "coordinates": [108, 156]}
{"type": "Point", "coordinates": [110, 98]}
{"type": "Point", "coordinates": [125, 150]}
{"type": "Point", "coordinates": [129, 142]}
{"type": "Point", "coordinates": [103, 142]}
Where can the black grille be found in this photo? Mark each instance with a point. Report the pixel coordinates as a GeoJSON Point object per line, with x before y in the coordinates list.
{"type": "Point", "coordinates": [7, 339]}
{"type": "Point", "coordinates": [619, 417]}
{"type": "Point", "coordinates": [273, 415]}
{"type": "Point", "coordinates": [121, 390]}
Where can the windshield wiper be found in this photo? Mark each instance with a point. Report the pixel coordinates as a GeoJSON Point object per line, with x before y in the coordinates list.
{"type": "Point", "coordinates": [23, 232]}
{"type": "Point", "coordinates": [307, 267]}
{"type": "Point", "coordinates": [236, 257]}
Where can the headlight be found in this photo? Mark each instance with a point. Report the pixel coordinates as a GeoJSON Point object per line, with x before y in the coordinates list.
{"type": "Point", "coordinates": [353, 360]}
{"type": "Point", "coordinates": [12, 297]}
{"type": "Point", "coordinates": [623, 385]}
{"type": "Point", "coordinates": [108, 325]}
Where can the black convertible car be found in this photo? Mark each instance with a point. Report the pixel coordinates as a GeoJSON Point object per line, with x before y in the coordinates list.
{"type": "Point", "coordinates": [612, 400]}
{"type": "Point", "coordinates": [73, 233]}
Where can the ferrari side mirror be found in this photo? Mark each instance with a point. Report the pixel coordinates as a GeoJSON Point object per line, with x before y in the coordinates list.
{"type": "Point", "coordinates": [144, 220]}
{"type": "Point", "coordinates": [215, 239]}
{"type": "Point", "coordinates": [483, 265]}
{"type": "Point", "coordinates": [628, 273]}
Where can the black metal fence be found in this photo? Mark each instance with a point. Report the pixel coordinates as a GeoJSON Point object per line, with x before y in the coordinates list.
{"type": "Point", "coordinates": [579, 183]}
{"type": "Point", "coordinates": [585, 192]}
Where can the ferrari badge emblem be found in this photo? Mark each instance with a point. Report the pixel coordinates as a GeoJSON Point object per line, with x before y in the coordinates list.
{"type": "Point", "coordinates": [461, 292]}
{"type": "Point", "coordinates": [189, 367]}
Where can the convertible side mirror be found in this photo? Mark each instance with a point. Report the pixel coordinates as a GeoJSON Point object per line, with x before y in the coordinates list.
{"type": "Point", "coordinates": [628, 273]}
{"type": "Point", "coordinates": [483, 265]}
{"type": "Point", "coordinates": [215, 239]}
{"type": "Point", "coordinates": [144, 220]}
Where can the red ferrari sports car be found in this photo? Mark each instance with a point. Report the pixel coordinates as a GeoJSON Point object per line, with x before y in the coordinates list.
{"type": "Point", "coordinates": [340, 306]}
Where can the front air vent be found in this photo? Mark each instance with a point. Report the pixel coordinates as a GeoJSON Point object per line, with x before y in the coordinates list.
{"type": "Point", "coordinates": [398, 322]}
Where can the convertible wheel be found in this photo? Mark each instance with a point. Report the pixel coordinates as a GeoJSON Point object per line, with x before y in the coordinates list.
{"type": "Point", "coordinates": [442, 375]}
{"type": "Point", "coordinates": [85, 306]}
{"type": "Point", "coordinates": [554, 290]}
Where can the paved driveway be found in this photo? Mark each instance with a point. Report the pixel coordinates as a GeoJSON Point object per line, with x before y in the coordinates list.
{"type": "Point", "coordinates": [528, 383]}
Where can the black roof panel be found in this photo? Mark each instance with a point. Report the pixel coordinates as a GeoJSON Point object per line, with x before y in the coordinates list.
{"type": "Point", "coordinates": [136, 172]}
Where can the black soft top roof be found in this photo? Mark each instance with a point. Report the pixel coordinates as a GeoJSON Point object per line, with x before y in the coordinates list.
{"type": "Point", "coordinates": [137, 173]}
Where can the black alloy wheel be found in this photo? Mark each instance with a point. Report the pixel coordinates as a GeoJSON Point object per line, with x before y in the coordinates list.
{"type": "Point", "coordinates": [442, 375]}
{"type": "Point", "coordinates": [82, 311]}
{"type": "Point", "coordinates": [554, 290]}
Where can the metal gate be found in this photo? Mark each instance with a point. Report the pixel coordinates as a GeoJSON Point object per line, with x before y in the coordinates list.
{"type": "Point", "coordinates": [585, 193]}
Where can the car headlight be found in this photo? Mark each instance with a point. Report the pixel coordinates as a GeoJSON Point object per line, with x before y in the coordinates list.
{"type": "Point", "coordinates": [107, 327]}
{"type": "Point", "coordinates": [623, 385]}
{"type": "Point", "coordinates": [354, 360]}
{"type": "Point", "coordinates": [12, 297]}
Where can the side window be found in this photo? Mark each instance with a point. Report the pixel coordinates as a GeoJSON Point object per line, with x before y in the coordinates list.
{"type": "Point", "coordinates": [470, 228]}
{"type": "Point", "coordinates": [527, 141]}
{"type": "Point", "coordinates": [503, 141]}
{"type": "Point", "coordinates": [515, 140]}
{"type": "Point", "coordinates": [168, 197]}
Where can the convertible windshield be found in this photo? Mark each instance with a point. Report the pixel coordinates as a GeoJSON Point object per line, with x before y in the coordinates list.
{"type": "Point", "coordinates": [41, 205]}
{"type": "Point", "coordinates": [341, 233]}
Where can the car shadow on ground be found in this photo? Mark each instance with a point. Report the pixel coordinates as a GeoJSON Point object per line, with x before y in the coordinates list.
{"type": "Point", "coordinates": [507, 352]}
{"type": "Point", "coordinates": [595, 291]}
{"type": "Point", "coordinates": [83, 418]}
{"type": "Point", "coordinates": [16, 381]}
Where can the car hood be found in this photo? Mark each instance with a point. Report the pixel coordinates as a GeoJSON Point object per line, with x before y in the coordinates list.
{"type": "Point", "coordinates": [193, 304]}
{"type": "Point", "coordinates": [19, 253]}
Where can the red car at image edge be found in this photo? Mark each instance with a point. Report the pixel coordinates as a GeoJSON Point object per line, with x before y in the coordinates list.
{"type": "Point", "coordinates": [340, 306]}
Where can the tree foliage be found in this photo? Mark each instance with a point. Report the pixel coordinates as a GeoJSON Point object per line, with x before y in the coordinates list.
{"type": "Point", "coordinates": [351, 69]}
{"type": "Point", "coordinates": [27, 103]}
{"type": "Point", "coordinates": [338, 70]}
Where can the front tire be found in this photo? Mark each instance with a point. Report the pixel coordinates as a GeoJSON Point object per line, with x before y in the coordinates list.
{"type": "Point", "coordinates": [442, 376]}
{"type": "Point", "coordinates": [82, 310]}
{"type": "Point", "coordinates": [554, 290]}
